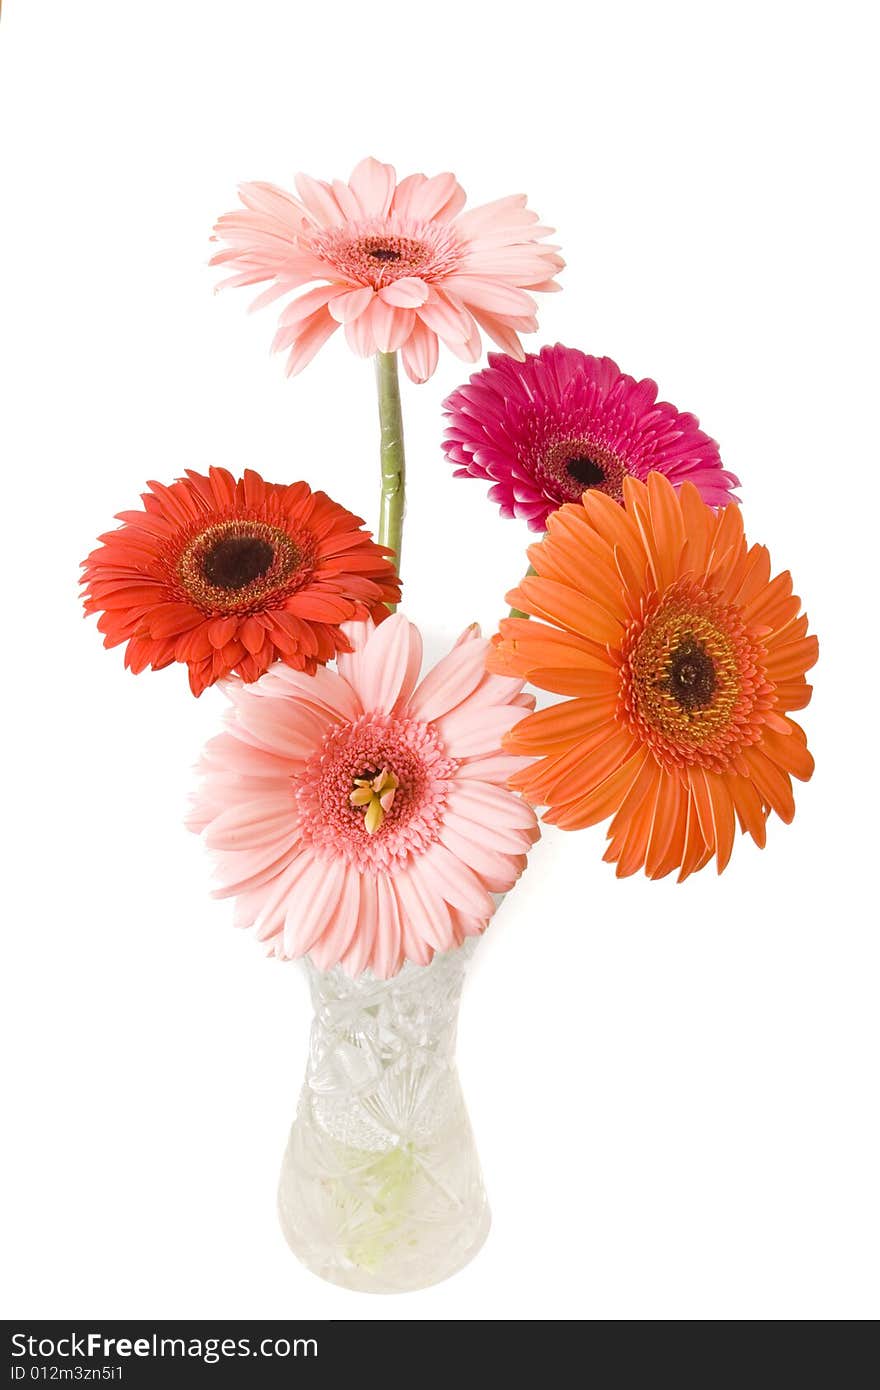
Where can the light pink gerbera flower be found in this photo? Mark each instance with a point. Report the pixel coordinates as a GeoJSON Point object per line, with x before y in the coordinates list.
{"type": "Point", "coordinates": [361, 816]}
{"type": "Point", "coordinates": [399, 265]}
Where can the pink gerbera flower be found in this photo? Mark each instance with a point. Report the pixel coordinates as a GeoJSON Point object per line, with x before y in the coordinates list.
{"type": "Point", "coordinates": [398, 264]}
{"type": "Point", "coordinates": [547, 430]}
{"type": "Point", "coordinates": [361, 816]}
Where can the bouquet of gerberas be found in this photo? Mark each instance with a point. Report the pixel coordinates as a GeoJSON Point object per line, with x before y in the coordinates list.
{"type": "Point", "coordinates": [368, 817]}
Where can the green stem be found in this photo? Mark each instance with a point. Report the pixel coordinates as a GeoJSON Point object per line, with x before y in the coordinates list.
{"type": "Point", "coordinates": [515, 612]}
{"type": "Point", "coordinates": [391, 456]}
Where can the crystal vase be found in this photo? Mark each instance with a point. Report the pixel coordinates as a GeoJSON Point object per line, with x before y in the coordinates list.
{"type": "Point", "coordinates": [380, 1186]}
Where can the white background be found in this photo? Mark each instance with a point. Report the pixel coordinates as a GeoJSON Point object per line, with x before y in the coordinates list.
{"type": "Point", "coordinates": [674, 1089]}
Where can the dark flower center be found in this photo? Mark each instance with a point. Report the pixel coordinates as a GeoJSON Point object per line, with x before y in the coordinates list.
{"type": "Point", "coordinates": [585, 471]}
{"type": "Point", "coordinates": [236, 561]}
{"type": "Point", "coordinates": [691, 677]}
{"type": "Point", "coordinates": [384, 253]}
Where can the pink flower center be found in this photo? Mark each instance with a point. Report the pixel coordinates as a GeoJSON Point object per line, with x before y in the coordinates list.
{"type": "Point", "coordinates": [382, 250]}
{"type": "Point", "coordinates": [355, 753]}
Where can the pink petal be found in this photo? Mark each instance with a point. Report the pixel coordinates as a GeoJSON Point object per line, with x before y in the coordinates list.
{"type": "Point", "coordinates": [270, 820]}
{"type": "Point", "coordinates": [483, 802]}
{"type": "Point", "coordinates": [389, 665]}
{"type": "Point", "coordinates": [413, 944]}
{"type": "Point", "coordinates": [501, 334]}
{"type": "Point", "coordinates": [349, 664]}
{"type": "Point", "coordinates": [474, 731]}
{"type": "Point", "coordinates": [359, 335]}
{"type": "Point", "coordinates": [440, 872]}
{"type": "Point", "coordinates": [325, 693]}
{"type": "Point", "coordinates": [391, 327]}
{"type": "Point", "coordinates": [372, 184]}
{"type": "Point", "coordinates": [485, 218]}
{"type": "Point", "coordinates": [406, 293]}
{"type": "Point", "coordinates": [347, 201]}
{"type": "Point", "coordinates": [427, 915]}
{"type": "Point", "coordinates": [387, 960]}
{"type": "Point", "coordinates": [361, 948]}
{"type": "Point", "coordinates": [454, 677]}
{"type": "Point", "coordinates": [496, 870]}
{"type": "Point", "coordinates": [319, 201]}
{"type": "Point", "coordinates": [494, 767]}
{"type": "Point", "coordinates": [493, 296]}
{"type": "Point", "coordinates": [280, 726]}
{"type": "Point", "coordinates": [447, 319]}
{"type": "Point", "coordinates": [488, 835]}
{"type": "Point", "coordinates": [342, 924]}
{"type": "Point", "coordinates": [272, 900]}
{"type": "Point", "coordinates": [320, 327]}
{"type": "Point", "coordinates": [420, 353]}
{"type": "Point", "coordinates": [436, 199]}
{"type": "Point", "coordinates": [303, 307]}
{"type": "Point", "coordinates": [349, 306]}
{"type": "Point", "coordinates": [313, 904]}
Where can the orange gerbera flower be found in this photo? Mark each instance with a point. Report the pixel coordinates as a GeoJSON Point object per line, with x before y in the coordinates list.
{"type": "Point", "coordinates": [683, 659]}
{"type": "Point", "coordinates": [229, 575]}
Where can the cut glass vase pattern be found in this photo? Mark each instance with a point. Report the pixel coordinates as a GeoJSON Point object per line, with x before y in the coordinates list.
{"type": "Point", "coordinates": [380, 1186]}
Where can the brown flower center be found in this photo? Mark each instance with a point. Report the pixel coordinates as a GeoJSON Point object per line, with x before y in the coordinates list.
{"type": "Point", "coordinates": [692, 680]}
{"type": "Point", "coordinates": [235, 561]}
{"type": "Point", "coordinates": [691, 677]}
{"type": "Point", "coordinates": [572, 466]}
{"type": "Point", "coordinates": [235, 566]}
{"type": "Point", "coordinates": [586, 472]}
{"type": "Point", "coordinates": [384, 253]}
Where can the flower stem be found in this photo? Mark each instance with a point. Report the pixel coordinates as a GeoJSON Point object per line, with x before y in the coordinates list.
{"type": "Point", "coordinates": [516, 612]}
{"type": "Point", "coordinates": [391, 455]}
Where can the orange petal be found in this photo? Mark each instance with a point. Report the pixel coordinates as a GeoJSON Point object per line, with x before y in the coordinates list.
{"type": "Point", "coordinates": [602, 801]}
{"type": "Point", "coordinates": [698, 525]}
{"type": "Point", "coordinates": [772, 783]}
{"type": "Point", "coordinates": [563, 605]}
{"type": "Point", "coordinates": [668, 526]}
{"type": "Point", "coordinates": [562, 724]}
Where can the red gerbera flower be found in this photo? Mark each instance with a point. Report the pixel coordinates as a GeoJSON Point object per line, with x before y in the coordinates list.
{"type": "Point", "coordinates": [232, 576]}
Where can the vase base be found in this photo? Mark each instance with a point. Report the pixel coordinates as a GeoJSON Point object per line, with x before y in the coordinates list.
{"type": "Point", "coordinates": [390, 1221]}
{"type": "Point", "coordinates": [421, 1270]}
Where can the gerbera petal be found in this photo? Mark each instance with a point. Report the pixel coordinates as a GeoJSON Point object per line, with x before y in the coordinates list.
{"type": "Point", "coordinates": [373, 185]}
{"type": "Point", "coordinates": [315, 332]}
{"type": "Point", "coordinates": [387, 666]}
{"type": "Point", "coordinates": [420, 353]}
{"type": "Point", "coordinates": [476, 731]}
{"type": "Point", "coordinates": [390, 326]}
{"type": "Point", "coordinates": [451, 681]}
{"type": "Point", "coordinates": [347, 307]}
{"type": "Point", "coordinates": [408, 293]}
{"type": "Point", "coordinates": [427, 914]}
{"type": "Point", "coordinates": [387, 956]}
{"type": "Point", "coordinates": [454, 881]}
{"type": "Point", "coordinates": [364, 940]}
{"type": "Point", "coordinates": [313, 905]}
{"type": "Point", "coordinates": [342, 923]}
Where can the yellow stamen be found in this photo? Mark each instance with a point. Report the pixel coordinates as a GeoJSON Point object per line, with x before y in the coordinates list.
{"type": "Point", "coordinates": [376, 794]}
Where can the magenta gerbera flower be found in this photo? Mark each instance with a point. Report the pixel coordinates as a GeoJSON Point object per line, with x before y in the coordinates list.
{"type": "Point", "coordinates": [398, 265]}
{"type": "Point", "coordinates": [547, 430]}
